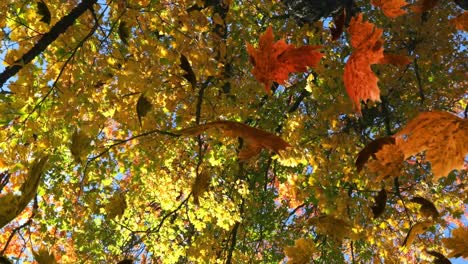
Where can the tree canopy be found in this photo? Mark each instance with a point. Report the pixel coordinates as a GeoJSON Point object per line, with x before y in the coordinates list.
{"type": "Point", "coordinates": [232, 131]}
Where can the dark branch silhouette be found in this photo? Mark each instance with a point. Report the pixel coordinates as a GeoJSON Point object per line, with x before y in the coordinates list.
{"type": "Point", "coordinates": [46, 40]}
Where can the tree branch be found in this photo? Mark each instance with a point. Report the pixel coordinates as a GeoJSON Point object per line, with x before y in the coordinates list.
{"type": "Point", "coordinates": [17, 229]}
{"type": "Point", "coordinates": [418, 78]}
{"type": "Point", "coordinates": [233, 242]}
{"type": "Point", "coordinates": [46, 40]}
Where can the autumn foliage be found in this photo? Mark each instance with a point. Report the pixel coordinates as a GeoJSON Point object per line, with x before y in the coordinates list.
{"type": "Point", "coordinates": [291, 131]}
{"type": "Point", "coordinates": [273, 61]}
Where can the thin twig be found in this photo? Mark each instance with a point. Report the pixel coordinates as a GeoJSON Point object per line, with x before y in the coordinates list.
{"type": "Point", "coordinates": [418, 78]}
{"type": "Point", "coordinates": [123, 141]}
{"type": "Point", "coordinates": [397, 191]}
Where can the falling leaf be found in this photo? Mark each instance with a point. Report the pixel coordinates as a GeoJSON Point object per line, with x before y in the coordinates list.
{"type": "Point", "coordinates": [380, 202]}
{"type": "Point", "coordinates": [370, 149]}
{"type": "Point", "coordinates": [395, 59]}
{"type": "Point", "coordinates": [12, 205]}
{"type": "Point", "coordinates": [5, 260]}
{"type": "Point", "coordinates": [461, 21]}
{"type": "Point", "coordinates": [332, 226]}
{"type": "Point", "coordinates": [273, 61]}
{"type": "Point", "coordinates": [255, 139]}
{"type": "Point", "coordinates": [427, 207]}
{"type": "Point", "coordinates": [124, 32]}
{"type": "Point", "coordinates": [201, 184]}
{"type": "Point", "coordinates": [79, 145]}
{"type": "Point", "coordinates": [301, 252]}
{"type": "Point", "coordinates": [43, 11]}
{"type": "Point", "coordinates": [443, 137]}
{"type": "Point", "coordinates": [43, 256]}
{"type": "Point", "coordinates": [116, 205]}
{"type": "Point", "coordinates": [391, 8]}
{"type": "Point", "coordinates": [339, 22]}
{"type": "Point", "coordinates": [125, 261]}
{"type": "Point", "coordinates": [387, 163]}
{"type": "Point", "coordinates": [439, 258]}
{"type": "Point", "coordinates": [424, 5]}
{"type": "Point", "coordinates": [458, 243]}
{"type": "Point", "coordinates": [359, 80]}
{"type": "Point", "coordinates": [189, 74]}
{"type": "Point", "coordinates": [415, 230]}
{"type": "Point", "coordinates": [143, 107]}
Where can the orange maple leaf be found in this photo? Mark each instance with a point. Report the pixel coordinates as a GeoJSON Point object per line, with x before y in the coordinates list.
{"type": "Point", "coordinates": [255, 139]}
{"type": "Point", "coordinates": [273, 61]}
{"type": "Point", "coordinates": [391, 8]}
{"type": "Point", "coordinates": [359, 80]}
{"type": "Point", "coordinates": [461, 21]}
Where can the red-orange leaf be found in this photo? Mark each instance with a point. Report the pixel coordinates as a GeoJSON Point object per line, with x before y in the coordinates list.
{"type": "Point", "coordinates": [391, 8]}
{"type": "Point", "coordinates": [359, 80]}
{"type": "Point", "coordinates": [273, 61]}
{"type": "Point", "coordinates": [255, 139]}
{"type": "Point", "coordinates": [461, 21]}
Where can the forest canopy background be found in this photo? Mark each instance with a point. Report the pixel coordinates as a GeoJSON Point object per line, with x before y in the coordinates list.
{"type": "Point", "coordinates": [231, 131]}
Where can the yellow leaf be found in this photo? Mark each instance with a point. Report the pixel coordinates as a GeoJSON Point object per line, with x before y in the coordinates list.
{"type": "Point", "coordinates": [458, 243]}
{"type": "Point", "coordinates": [415, 230]}
{"type": "Point", "coordinates": [301, 252]}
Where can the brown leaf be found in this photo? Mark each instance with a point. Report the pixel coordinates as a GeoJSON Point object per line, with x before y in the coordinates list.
{"type": "Point", "coordinates": [124, 32]}
{"type": "Point", "coordinates": [125, 261]}
{"type": "Point", "coordinates": [116, 205]}
{"type": "Point", "coordinates": [370, 149]}
{"type": "Point", "coordinates": [5, 260]}
{"type": "Point", "coordinates": [79, 145]}
{"type": "Point", "coordinates": [44, 12]}
{"type": "Point", "coordinates": [398, 60]}
{"type": "Point", "coordinates": [189, 74]}
{"type": "Point", "coordinates": [424, 5]}
{"type": "Point", "coordinates": [439, 258]}
{"type": "Point", "coordinates": [427, 207]}
{"type": "Point", "coordinates": [143, 106]}
{"type": "Point", "coordinates": [43, 256]}
{"type": "Point", "coordinates": [443, 137]}
{"type": "Point", "coordinates": [380, 202]}
{"type": "Point", "coordinates": [12, 205]}
{"type": "Point", "coordinates": [339, 22]}
{"type": "Point", "coordinates": [255, 139]}
{"type": "Point", "coordinates": [201, 184]}
{"type": "Point", "coordinates": [458, 243]}
{"type": "Point", "coordinates": [415, 230]}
